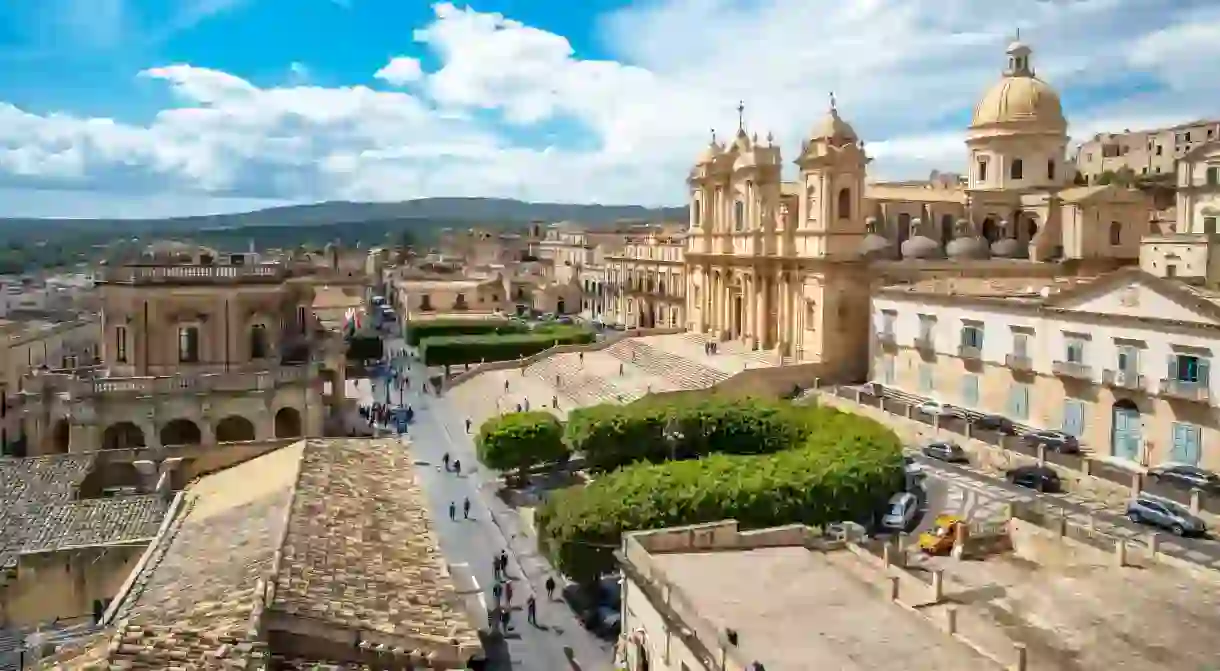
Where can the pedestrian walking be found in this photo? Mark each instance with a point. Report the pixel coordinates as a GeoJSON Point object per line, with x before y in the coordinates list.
{"type": "Point", "coordinates": [550, 588]}
{"type": "Point", "coordinates": [508, 593]}
{"type": "Point", "coordinates": [495, 564]}
{"type": "Point", "coordinates": [582, 357]}
{"type": "Point", "coordinates": [496, 592]}
{"type": "Point", "coordinates": [505, 616]}
{"type": "Point", "coordinates": [466, 508]}
{"type": "Point", "coordinates": [504, 563]}
{"type": "Point", "coordinates": [506, 386]}
{"type": "Point", "coordinates": [445, 461]}
{"type": "Point", "coordinates": [531, 610]}
{"type": "Point", "coordinates": [452, 510]}
{"type": "Point", "coordinates": [467, 425]}
{"type": "Point", "coordinates": [457, 466]}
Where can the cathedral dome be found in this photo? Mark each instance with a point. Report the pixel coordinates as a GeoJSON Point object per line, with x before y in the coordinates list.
{"type": "Point", "coordinates": [1008, 248]}
{"type": "Point", "coordinates": [920, 247]}
{"type": "Point", "coordinates": [1020, 98]}
{"type": "Point", "coordinates": [967, 248]}
{"type": "Point", "coordinates": [875, 245]}
{"type": "Point", "coordinates": [709, 154]}
{"type": "Point", "coordinates": [832, 127]}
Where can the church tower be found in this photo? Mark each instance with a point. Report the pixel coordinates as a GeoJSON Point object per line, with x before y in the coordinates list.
{"type": "Point", "coordinates": [833, 168]}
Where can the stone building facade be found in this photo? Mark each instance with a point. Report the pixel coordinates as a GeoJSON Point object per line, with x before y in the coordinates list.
{"type": "Point", "coordinates": [791, 266]}
{"type": "Point", "coordinates": [196, 348]}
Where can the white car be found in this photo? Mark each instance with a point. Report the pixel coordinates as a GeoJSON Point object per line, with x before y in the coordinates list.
{"type": "Point", "coordinates": [938, 409]}
{"type": "Point", "coordinates": [900, 511]}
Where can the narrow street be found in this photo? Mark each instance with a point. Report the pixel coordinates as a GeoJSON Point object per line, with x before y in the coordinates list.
{"type": "Point", "coordinates": [492, 527]}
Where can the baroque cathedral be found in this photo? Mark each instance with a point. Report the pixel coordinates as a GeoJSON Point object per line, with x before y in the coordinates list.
{"type": "Point", "coordinates": [789, 266]}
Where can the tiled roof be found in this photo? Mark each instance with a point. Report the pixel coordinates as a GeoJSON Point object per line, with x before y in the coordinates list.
{"type": "Point", "coordinates": [334, 531]}
{"type": "Point", "coordinates": [122, 519]}
{"type": "Point", "coordinates": [30, 490]}
{"type": "Point", "coordinates": [360, 552]}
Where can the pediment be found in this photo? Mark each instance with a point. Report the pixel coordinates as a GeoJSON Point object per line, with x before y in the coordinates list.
{"type": "Point", "coordinates": [1140, 296]}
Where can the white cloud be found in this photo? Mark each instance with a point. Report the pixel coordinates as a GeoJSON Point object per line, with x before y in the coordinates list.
{"type": "Point", "coordinates": [512, 110]}
{"type": "Point", "coordinates": [401, 70]}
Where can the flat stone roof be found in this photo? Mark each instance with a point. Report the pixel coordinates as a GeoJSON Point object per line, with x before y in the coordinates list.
{"type": "Point", "coordinates": [795, 609]}
{"type": "Point", "coordinates": [1025, 289]}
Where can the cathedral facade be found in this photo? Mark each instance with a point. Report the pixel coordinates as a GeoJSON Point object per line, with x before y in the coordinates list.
{"type": "Point", "coordinates": [790, 266]}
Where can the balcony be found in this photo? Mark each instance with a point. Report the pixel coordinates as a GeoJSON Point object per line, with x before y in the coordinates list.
{"type": "Point", "coordinates": [1072, 369]}
{"type": "Point", "coordinates": [1018, 362]}
{"type": "Point", "coordinates": [925, 343]}
{"type": "Point", "coordinates": [1185, 391]}
{"type": "Point", "coordinates": [971, 352]}
{"type": "Point", "coordinates": [887, 338]}
{"type": "Point", "coordinates": [1123, 379]}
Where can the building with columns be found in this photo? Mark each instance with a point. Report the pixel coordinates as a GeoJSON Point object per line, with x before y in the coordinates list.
{"type": "Point", "coordinates": [791, 265]}
{"type": "Point", "coordinates": [197, 348]}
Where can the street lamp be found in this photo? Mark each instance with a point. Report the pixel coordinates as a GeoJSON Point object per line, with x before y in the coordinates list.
{"type": "Point", "coordinates": [672, 435]}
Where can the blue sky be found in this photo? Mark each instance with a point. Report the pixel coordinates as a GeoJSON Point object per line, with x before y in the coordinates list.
{"type": "Point", "coordinates": [158, 107]}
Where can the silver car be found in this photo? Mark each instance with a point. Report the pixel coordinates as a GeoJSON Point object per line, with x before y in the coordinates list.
{"type": "Point", "coordinates": [900, 511]}
{"type": "Point", "coordinates": [1158, 512]}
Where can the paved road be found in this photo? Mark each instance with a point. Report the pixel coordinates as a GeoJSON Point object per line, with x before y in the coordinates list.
{"type": "Point", "coordinates": [961, 490]}
{"type": "Point", "coordinates": [471, 544]}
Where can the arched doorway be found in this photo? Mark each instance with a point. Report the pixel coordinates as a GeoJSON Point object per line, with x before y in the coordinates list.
{"type": "Point", "coordinates": [991, 232]}
{"type": "Point", "coordinates": [287, 423]}
{"type": "Point", "coordinates": [181, 432]}
{"type": "Point", "coordinates": [560, 307]}
{"type": "Point", "coordinates": [946, 228]}
{"type": "Point", "coordinates": [61, 437]}
{"type": "Point", "coordinates": [904, 228]}
{"type": "Point", "coordinates": [234, 429]}
{"type": "Point", "coordinates": [121, 435]}
{"type": "Point", "coordinates": [1125, 430]}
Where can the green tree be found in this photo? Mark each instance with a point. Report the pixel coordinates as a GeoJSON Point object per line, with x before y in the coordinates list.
{"type": "Point", "coordinates": [519, 441]}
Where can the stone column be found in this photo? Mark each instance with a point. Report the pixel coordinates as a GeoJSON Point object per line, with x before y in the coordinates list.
{"type": "Point", "coordinates": [760, 306]}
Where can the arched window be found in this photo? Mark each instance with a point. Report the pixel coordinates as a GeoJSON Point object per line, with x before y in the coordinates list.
{"type": "Point", "coordinates": [696, 213]}
{"type": "Point", "coordinates": [844, 204]}
{"type": "Point", "coordinates": [188, 344]}
{"type": "Point", "coordinates": [258, 341]}
{"type": "Point", "coordinates": [1116, 233]}
{"type": "Point", "coordinates": [1017, 169]}
{"type": "Point", "coordinates": [739, 215]}
{"type": "Point", "coordinates": [1050, 169]}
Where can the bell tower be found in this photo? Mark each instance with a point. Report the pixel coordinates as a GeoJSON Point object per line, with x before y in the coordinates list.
{"type": "Point", "coordinates": [833, 169]}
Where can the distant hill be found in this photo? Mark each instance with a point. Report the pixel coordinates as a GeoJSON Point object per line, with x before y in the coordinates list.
{"type": "Point", "coordinates": [424, 212]}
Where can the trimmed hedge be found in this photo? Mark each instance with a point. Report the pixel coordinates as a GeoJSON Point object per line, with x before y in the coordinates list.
{"type": "Point", "coordinates": [521, 440]}
{"type": "Point", "coordinates": [844, 467]}
{"type": "Point", "coordinates": [610, 436]}
{"type": "Point", "coordinates": [456, 350]}
{"type": "Point", "coordinates": [417, 331]}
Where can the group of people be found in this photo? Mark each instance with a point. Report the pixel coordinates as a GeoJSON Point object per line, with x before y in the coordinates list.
{"type": "Point", "coordinates": [499, 615]}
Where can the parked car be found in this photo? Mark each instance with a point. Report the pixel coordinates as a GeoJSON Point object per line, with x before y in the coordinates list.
{"type": "Point", "coordinates": [1158, 512]}
{"type": "Point", "coordinates": [913, 470]}
{"type": "Point", "coordinates": [1055, 441]}
{"type": "Point", "coordinates": [900, 511]}
{"type": "Point", "coordinates": [938, 409]}
{"type": "Point", "coordinates": [1041, 478]}
{"type": "Point", "coordinates": [997, 423]}
{"type": "Point", "coordinates": [944, 450]}
{"type": "Point", "coordinates": [1186, 477]}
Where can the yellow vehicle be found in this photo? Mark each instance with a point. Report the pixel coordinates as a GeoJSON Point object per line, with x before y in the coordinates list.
{"type": "Point", "coordinates": [940, 539]}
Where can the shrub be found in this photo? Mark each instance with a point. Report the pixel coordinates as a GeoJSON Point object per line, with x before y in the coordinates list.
{"type": "Point", "coordinates": [521, 440]}
{"type": "Point", "coordinates": [610, 436]}
{"type": "Point", "coordinates": [417, 331]}
{"type": "Point", "coordinates": [455, 350]}
{"type": "Point", "coordinates": [842, 470]}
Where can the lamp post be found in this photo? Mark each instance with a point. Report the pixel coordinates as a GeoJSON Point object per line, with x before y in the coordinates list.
{"type": "Point", "coordinates": [672, 435]}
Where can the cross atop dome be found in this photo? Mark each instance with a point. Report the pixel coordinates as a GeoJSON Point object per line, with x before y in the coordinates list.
{"type": "Point", "coordinates": [741, 115]}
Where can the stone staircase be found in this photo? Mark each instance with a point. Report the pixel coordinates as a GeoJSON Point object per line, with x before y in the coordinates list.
{"type": "Point", "coordinates": [564, 373]}
{"type": "Point", "coordinates": [684, 373]}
